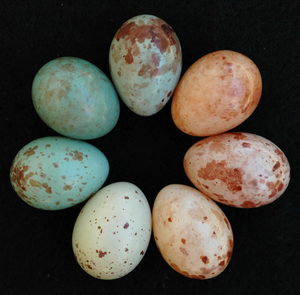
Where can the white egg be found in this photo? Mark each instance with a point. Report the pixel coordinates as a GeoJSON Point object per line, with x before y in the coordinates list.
{"type": "Point", "coordinates": [112, 232]}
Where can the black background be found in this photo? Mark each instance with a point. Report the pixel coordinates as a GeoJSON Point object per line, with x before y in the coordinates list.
{"type": "Point", "coordinates": [35, 246]}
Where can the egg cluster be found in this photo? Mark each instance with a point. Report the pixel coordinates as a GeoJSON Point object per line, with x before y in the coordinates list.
{"type": "Point", "coordinates": [113, 230]}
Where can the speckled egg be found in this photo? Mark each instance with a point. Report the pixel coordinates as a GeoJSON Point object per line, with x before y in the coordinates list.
{"type": "Point", "coordinates": [112, 231]}
{"type": "Point", "coordinates": [75, 98]}
{"type": "Point", "coordinates": [238, 169]}
{"type": "Point", "coordinates": [53, 173]}
{"type": "Point", "coordinates": [145, 62]}
{"type": "Point", "coordinates": [217, 93]}
{"type": "Point", "coordinates": [191, 232]}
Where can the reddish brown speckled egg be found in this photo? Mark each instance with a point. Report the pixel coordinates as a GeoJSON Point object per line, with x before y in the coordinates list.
{"type": "Point", "coordinates": [238, 169]}
{"type": "Point", "coordinates": [217, 93]}
{"type": "Point", "coordinates": [145, 63]}
{"type": "Point", "coordinates": [191, 232]}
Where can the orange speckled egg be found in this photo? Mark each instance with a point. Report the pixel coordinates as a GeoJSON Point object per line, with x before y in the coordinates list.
{"type": "Point", "coordinates": [217, 93]}
{"type": "Point", "coordinates": [238, 169]}
{"type": "Point", "coordinates": [191, 232]}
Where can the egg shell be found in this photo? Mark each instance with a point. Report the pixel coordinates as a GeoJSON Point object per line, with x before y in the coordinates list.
{"type": "Point", "coordinates": [53, 173]}
{"type": "Point", "coordinates": [191, 232]}
{"type": "Point", "coordinates": [112, 231]}
{"type": "Point", "coordinates": [145, 62]}
{"type": "Point", "coordinates": [238, 169]}
{"type": "Point", "coordinates": [217, 93]}
{"type": "Point", "coordinates": [75, 98]}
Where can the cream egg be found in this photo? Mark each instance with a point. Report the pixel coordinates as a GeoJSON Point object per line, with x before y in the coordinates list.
{"type": "Point", "coordinates": [238, 169]}
{"type": "Point", "coordinates": [191, 232]}
{"type": "Point", "coordinates": [112, 232]}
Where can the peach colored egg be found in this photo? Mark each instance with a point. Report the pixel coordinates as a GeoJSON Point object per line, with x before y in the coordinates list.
{"type": "Point", "coordinates": [145, 62]}
{"type": "Point", "coordinates": [191, 232]}
{"type": "Point", "coordinates": [217, 93]}
{"type": "Point", "coordinates": [238, 169]}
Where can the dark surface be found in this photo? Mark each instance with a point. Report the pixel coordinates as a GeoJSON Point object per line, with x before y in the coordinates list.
{"type": "Point", "coordinates": [35, 249]}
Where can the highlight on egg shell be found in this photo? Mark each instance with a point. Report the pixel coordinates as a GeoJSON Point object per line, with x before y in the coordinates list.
{"type": "Point", "coordinates": [191, 232]}
{"type": "Point", "coordinates": [112, 232]}
{"type": "Point", "coordinates": [145, 61]}
{"type": "Point", "coordinates": [238, 169]}
{"type": "Point", "coordinates": [54, 173]}
{"type": "Point", "coordinates": [217, 93]}
{"type": "Point", "coordinates": [75, 98]}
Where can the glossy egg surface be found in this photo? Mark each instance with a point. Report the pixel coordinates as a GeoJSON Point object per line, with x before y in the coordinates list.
{"type": "Point", "coordinates": [217, 93]}
{"type": "Point", "coordinates": [112, 231]}
{"type": "Point", "coordinates": [75, 98]}
{"type": "Point", "coordinates": [238, 169]}
{"type": "Point", "coordinates": [191, 232]}
{"type": "Point", "coordinates": [145, 62]}
{"type": "Point", "coordinates": [53, 173]}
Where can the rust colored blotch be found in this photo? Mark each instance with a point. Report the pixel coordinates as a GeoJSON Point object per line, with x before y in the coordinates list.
{"type": "Point", "coordinates": [128, 57]}
{"type": "Point", "coordinates": [204, 259]}
{"type": "Point", "coordinates": [229, 254]}
{"type": "Point", "coordinates": [205, 217]}
{"type": "Point", "coordinates": [101, 254]}
{"type": "Point", "coordinates": [239, 135]}
{"type": "Point", "coordinates": [183, 241]}
{"type": "Point", "coordinates": [126, 225]}
{"type": "Point", "coordinates": [30, 151]}
{"type": "Point", "coordinates": [159, 33]}
{"type": "Point", "coordinates": [77, 156]}
{"type": "Point", "coordinates": [227, 223]}
{"type": "Point", "coordinates": [231, 176]}
{"type": "Point", "coordinates": [222, 263]}
{"type": "Point", "coordinates": [246, 145]}
{"type": "Point", "coordinates": [183, 251]}
{"type": "Point", "coordinates": [67, 187]}
{"type": "Point", "coordinates": [170, 219]}
{"type": "Point", "coordinates": [200, 277]}
{"type": "Point", "coordinates": [248, 204]}
{"type": "Point", "coordinates": [142, 253]}
{"type": "Point", "coordinates": [280, 153]}
{"type": "Point", "coordinates": [276, 166]}
{"type": "Point", "coordinates": [126, 197]}
{"type": "Point", "coordinates": [221, 198]}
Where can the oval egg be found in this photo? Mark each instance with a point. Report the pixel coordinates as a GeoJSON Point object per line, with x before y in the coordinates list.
{"type": "Point", "coordinates": [238, 169]}
{"type": "Point", "coordinates": [112, 231]}
{"type": "Point", "coordinates": [75, 98]}
{"type": "Point", "coordinates": [53, 173]}
{"type": "Point", "coordinates": [191, 232]}
{"type": "Point", "coordinates": [145, 62]}
{"type": "Point", "coordinates": [217, 93]}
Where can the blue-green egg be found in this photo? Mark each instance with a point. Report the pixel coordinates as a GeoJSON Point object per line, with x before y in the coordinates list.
{"type": "Point", "coordinates": [53, 173]}
{"type": "Point", "coordinates": [75, 98]}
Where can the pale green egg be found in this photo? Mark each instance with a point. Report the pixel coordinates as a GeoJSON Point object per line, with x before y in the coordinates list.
{"type": "Point", "coordinates": [53, 173]}
{"type": "Point", "coordinates": [75, 98]}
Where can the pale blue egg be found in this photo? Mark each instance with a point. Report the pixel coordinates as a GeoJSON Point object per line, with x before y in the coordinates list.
{"type": "Point", "coordinates": [75, 98]}
{"type": "Point", "coordinates": [54, 173]}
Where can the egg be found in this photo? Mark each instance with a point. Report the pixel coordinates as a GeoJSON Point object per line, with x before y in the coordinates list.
{"type": "Point", "coordinates": [145, 62]}
{"type": "Point", "coordinates": [238, 169]}
{"type": "Point", "coordinates": [217, 93]}
{"type": "Point", "coordinates": [75, 98]}
{"type": "Point", "coordinates": [112, 232]}
{"type": "Point", "coordinates": [191, 232]}
{"type": "Point", "coordinates": [53, 173]}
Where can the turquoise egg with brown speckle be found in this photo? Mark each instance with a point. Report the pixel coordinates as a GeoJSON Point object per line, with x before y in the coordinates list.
{"type": "Point", "coordinates": [53, 173]}
{"type": "Point", "coordinates": [75, 98]}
